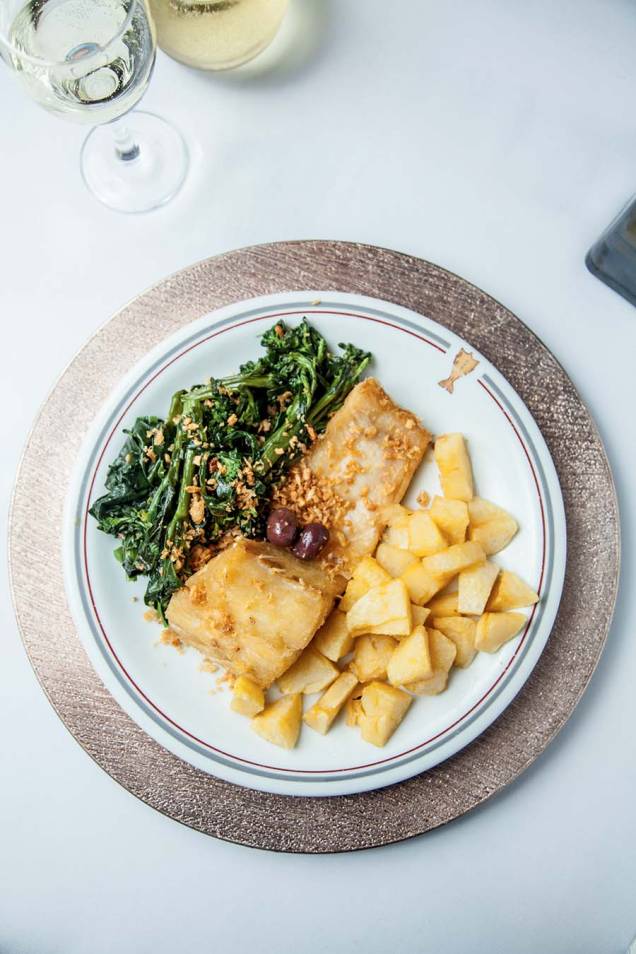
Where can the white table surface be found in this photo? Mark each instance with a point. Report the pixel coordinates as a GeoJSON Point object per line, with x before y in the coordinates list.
{"type": "Point", "coordinates": [496, 138]}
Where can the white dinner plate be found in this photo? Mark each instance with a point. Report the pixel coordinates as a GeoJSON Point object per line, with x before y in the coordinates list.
{"type": "Point", "coordinates": [179, 704]}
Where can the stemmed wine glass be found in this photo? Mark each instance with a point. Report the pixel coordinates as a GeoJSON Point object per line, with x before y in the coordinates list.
{"type": "Point", "coordinates": [90, 61]}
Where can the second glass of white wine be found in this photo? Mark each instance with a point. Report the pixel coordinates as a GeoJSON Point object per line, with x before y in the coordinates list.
{"type": "Point", "coordinates": [90, 61]}
{"type": "Point", "coordinates": [216, 34]}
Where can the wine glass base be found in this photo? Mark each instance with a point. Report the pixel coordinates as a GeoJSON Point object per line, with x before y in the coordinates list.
{"type": "Point", "coordinates": [143, 178]}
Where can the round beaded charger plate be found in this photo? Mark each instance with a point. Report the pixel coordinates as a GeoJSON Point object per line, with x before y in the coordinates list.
{"type": "Point", "coordinates": [513, 733]}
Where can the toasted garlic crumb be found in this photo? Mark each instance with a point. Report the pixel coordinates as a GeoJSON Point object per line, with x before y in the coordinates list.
{"type": "Point", "coordinates": [197, 509]}
{"type": "Point", "coordinates": [170, 638]}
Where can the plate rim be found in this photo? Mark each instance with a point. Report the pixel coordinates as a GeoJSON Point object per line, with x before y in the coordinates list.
{"type": "Point", "coordinates": [377, 773]}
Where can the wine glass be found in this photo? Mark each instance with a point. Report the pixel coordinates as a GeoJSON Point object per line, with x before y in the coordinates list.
{"type": "Point", "coordinates": [216, 34]}
{"type": "Point", "coordinates": [90, 61]}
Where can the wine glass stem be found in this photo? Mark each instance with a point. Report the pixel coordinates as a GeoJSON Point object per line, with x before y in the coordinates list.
{"type": "Point", "coordinates": [125, 146]}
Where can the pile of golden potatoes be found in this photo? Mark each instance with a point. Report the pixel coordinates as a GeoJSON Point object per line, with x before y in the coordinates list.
{"type": "Point", "coordinates": [428, 600]}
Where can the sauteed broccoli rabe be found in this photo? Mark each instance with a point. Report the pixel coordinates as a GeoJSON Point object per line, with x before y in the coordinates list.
{"type": "Point", "coordinates": [179, 484]}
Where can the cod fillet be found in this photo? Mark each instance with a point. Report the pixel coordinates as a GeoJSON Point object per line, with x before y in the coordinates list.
{"type": "Point", "coordinates": [253, 608]}
{"type": "Point", "coordinates": [362, 464]}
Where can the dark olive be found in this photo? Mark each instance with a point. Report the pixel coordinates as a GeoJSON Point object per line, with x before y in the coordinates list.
{"type": "Point", "coordinates": [311, 541]}
{"type": "Point", "coordinates": [282, 527]}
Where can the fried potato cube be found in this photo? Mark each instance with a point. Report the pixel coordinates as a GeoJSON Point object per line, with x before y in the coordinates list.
{"type": "Point", "coordinates": [353, 707]}
{"type": "Point", "coordinates": [443, 652]}
{"type": "Point", "coordinates": [495, 535]}
{"type": "Point", "coordinates": [430, 687]}
{"type": "Point", "coordinates": [371, 657]}
{"type": "Point", "coordinates": [312, 672]}
{"type": "Point", "coordinates": [397, 536]}
{"type": "Point", "coordinates": [280, 722]}
{"type": "Point", "coordinates": [333, 639]}
{"type": "Point", "coordinates": [368, 573]}
{"type": "Point", "coordinates": [495, 629]}
{"type": "Point", "coordinates": [452, 561]}
{"type": "Point", "coordinates": [444, 604]}
{"type": "Point", "coordinates": [411, 660]}
{"type": "Point", "coordinates": [490, 526]}
{"type": "Point", "coordinates": [425, 537]}
{"type": "Point", "coordinates": [394, 560]}
{"type": "Point", "coordinates": [451, 516]}
{"type": "Point", "coordinates": [419, 614]}
{"type": "Point", "coordinates": [510, 592]}
{"type": "Point", "coordinates": [247, 697]}
{"type": "Point", "coordinates": [475, 585]}
{"type": "Point", "coordinates": [322, 714]}
{"type": "Point", "coordinates": [462, 632]}
{"type": "Point", "coordinates": [383, 708]}
{"type": "Point", "coordinates": [481, 511]}
{"type": "Point", "coordinates": [396, 532]}
{"type": "Point", "coordinates": [453, 463]}
{"type": "Point", "coordinates": [385, 609]}
{"type": "Point", "coordinates": [421, 584]}
{"type": "Point", "coordinates": [378, 698]}
{"type": "Point", "coordinates": [395, 514]}
{"type": "Point", "coordinates": [353, 711]}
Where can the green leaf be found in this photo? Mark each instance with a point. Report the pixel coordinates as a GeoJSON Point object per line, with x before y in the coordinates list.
{"type": "Point", "coordinates": [231, 440]}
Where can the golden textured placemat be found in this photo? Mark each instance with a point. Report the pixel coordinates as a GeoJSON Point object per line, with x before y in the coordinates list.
{"type": "Point", "coordinates": [337, 823]}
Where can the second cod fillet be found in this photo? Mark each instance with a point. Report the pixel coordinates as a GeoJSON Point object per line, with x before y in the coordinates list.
{"type": "Point", "coordinates": [363, 463]}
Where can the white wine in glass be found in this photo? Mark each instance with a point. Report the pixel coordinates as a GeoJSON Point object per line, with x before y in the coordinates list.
{"type": "Point", "coordinates": [216, 34]}
{"type": "Point", "coordinates": [90, 61]}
